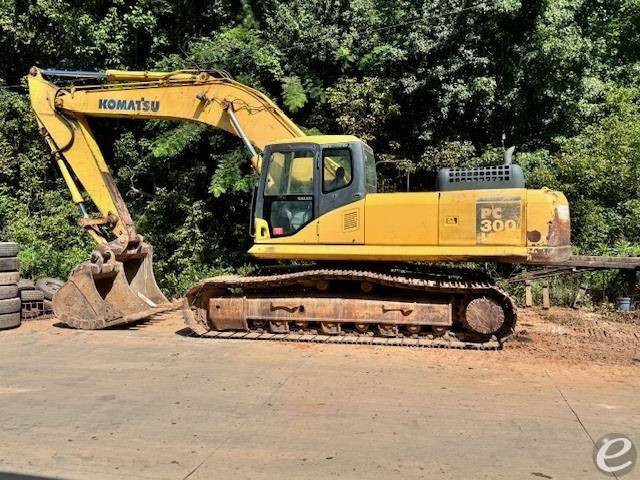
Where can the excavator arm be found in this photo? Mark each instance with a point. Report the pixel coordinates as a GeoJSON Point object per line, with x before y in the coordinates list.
{"type": "Point", "coordinates": [118, 283]}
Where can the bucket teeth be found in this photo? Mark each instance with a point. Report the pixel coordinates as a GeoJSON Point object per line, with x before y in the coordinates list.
{"type": "Point", "coordinates": [112, 293]}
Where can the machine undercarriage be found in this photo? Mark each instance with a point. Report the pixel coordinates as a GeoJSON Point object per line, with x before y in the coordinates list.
{"type": "Point", "coordinates": [443, 307]}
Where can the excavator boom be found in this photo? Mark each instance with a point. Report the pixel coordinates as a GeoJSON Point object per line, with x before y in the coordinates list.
{"type": "Point", "coordinates": [118, 285]}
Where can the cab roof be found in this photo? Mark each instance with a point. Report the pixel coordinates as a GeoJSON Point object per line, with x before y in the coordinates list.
{"type": "Point", "coordinates": [320, 139]}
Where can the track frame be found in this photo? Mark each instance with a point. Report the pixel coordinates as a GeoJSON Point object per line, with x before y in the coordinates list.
{"type": "Point", "coordinates": [453, 286]}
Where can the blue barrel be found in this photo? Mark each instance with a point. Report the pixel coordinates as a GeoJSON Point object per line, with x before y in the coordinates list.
{"type": "Point", "coordinates": [624, 304]}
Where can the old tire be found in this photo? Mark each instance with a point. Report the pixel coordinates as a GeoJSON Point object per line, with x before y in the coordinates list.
{"type": "Point", "coordinates": [9, 278]}
{"type": "Point", "coordinates": [9, 264]}
{"type": "Point", "coordinates": [26, 284]}
{"type": "Point", "coordinates": [10, 305]}
{"type": "Point", "coordinates": [9, 320]}
{"type": "Point", "coordinates": [32, 295]}
{"type": "Point", "coordinates": [8, 291]}
{"type": "Point", "coordinates": [49, 286]}
{"type": "Point", "coordinates": [8, 249]}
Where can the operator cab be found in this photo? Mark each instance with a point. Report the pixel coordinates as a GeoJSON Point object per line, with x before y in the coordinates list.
{"type": "Point", "coordinates": [304, 178]}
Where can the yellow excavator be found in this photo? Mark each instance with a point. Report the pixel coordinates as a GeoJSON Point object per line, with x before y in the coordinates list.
{"type": "Point", "coordinates": [361, 257]}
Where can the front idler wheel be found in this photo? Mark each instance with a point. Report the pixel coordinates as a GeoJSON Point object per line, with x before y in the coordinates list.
{"type": "Point", "coordinates": [484, 316]}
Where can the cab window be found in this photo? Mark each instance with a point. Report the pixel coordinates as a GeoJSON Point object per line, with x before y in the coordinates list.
{"type": "Point", "coordinates": [371, 180]}
{"type": "Point", "coordinates": [288, 193]}
{"type": "Point", "coordinates": [290, 173]}
{"type": "Point", "coordinates": [337, 169]}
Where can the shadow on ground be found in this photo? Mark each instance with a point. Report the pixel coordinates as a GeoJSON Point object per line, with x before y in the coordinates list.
{"type": "Point", "coordinates": [22, 476]}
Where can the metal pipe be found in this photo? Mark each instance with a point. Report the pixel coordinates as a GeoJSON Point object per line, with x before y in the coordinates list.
{"type": "Point", "coordinates": [508, 155]}
{"type": "Point", "coordinates": [83, 210]}
{"type": "Point", "coordinates": [146, 76]}
{"type": "Point", "coordinates": [239, 130]}
{"type": "Point", "coordinates": [73, 73]}
{"type": "Point", "coordinates": [76, 197]}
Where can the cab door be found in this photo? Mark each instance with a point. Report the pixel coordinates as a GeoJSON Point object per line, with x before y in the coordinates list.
{"type": "Point", "coordinates": [287, 199]}
{"type": "Point", "coordinates": [341, 195]}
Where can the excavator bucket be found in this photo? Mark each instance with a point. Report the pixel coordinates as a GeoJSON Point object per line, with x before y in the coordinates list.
{"type": "Point", "coordinates": [99, 295]}
{"type": "Point", "coordinates": [138, 272]}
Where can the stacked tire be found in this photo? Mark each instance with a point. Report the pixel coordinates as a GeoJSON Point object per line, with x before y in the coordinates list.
{"type": "Point", "coordinates": [10, 302]}
{"type": "Point", "coordinates": [49, 287]}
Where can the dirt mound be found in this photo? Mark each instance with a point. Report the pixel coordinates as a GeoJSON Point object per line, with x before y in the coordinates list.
{"type": "Point", "coordinates": [578, 336]}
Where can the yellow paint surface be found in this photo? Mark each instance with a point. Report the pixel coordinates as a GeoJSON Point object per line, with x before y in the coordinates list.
{"type": "Point", "coordinates": [401, 219]}
{"type": "Point", "coordinates": [431, 226]}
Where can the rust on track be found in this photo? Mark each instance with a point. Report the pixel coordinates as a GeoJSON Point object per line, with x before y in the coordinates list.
{"type": "Point", "coordinates": [423, 307]}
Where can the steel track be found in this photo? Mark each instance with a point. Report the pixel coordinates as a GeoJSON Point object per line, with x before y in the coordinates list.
{"type": "Point", "coordinates": [437, 282]}
{"type": "Point", "coordinates": [420, 342]}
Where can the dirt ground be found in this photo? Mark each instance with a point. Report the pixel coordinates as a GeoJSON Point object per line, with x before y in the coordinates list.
{"type": "Point", "coordinates": [575, 336]}
{"type": "Point", "coordinates": [560, 335]}
{"type": "Point", "coordinates": [151, 402]}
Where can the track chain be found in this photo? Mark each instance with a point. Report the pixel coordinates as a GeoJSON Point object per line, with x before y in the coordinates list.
{"type": "Point", "coordinates": [436, 283]}
{"type": "Point", "coordinates": [430, 283]}
{"type": "Point", "coordinates": [420, 342]}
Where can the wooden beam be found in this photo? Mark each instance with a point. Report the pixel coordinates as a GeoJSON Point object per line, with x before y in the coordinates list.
{"type": "Point", "coordinates": [546, 303]}
{"type": "Point", "coordinates": [580, 294]}
{"type": "Point", "coordinates": [599, 262]}
{"type": "Point", "coordinates": [528, 297]}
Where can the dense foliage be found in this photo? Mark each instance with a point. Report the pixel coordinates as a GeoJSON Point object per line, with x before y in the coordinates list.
{"type": "Point", "coordinates": [430, 83]}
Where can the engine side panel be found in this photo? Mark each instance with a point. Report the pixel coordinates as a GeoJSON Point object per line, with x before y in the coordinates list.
{"type": "Point", "coordinates": [548, 226]}
{"type": "Point", "coordinates": [483, 217]}
{"type": "Point", "coordinates": [401, 219]}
